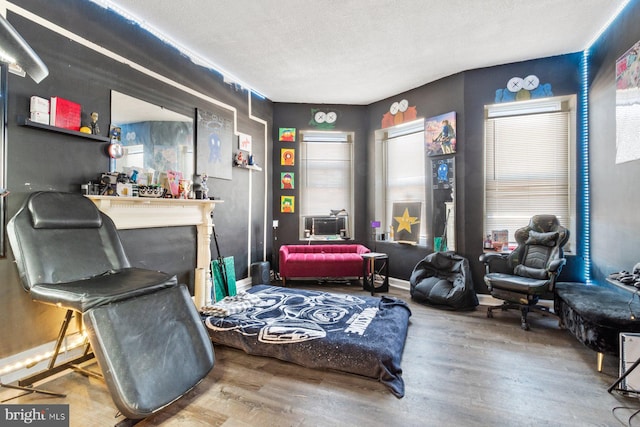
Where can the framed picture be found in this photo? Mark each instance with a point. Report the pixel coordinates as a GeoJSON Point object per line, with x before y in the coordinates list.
{"type": "Point", "coordinates": [406, 222]}
{"type": "Point", "coordinates": [287, 204]}
{"type": "Point", "coordinates": [287, 180]}
{"type": "Point", "coordinates": [244, 142]}
{"type": "Point", "coordinates": [287, 156]}
{"type": "Point", "coordinates": [287, 134]}
{"type": "Point", "coordinates": [440, 134]}
{"type": "Point", "coordinates": [214, 140]}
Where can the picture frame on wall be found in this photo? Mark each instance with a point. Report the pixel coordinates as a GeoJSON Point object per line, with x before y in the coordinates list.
{"type": "Point", "coordinates": [287, 157]}
{"type": "Point", "coordinates": [287, 134]}
{"type": "Point", "coordinates": [440, 134]}
{"type": "Point", "coordinates": [214, 143]}
{"type": "Point", "coordinates": [287, 204]}
{"type": "Point", "coordinates": [287, 181]}
{"type": "Point", "coordinates": [244, 142]}
{"type": "Point", "coordinates": [406, 222]}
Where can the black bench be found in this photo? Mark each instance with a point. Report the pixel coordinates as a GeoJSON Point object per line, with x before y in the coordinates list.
{"type": "Point", "coordinates": [596, 315]}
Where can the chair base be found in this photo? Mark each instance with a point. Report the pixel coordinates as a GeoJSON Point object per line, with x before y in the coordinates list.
{"type": "Point", "coordinates": [524, 311]}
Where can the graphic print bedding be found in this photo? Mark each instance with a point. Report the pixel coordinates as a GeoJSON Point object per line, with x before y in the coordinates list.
{"type": "Point", "coordinates": [356, 334]}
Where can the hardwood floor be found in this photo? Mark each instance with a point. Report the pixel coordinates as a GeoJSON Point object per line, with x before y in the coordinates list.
{"type": "Point", "coordinates": [459, 368]}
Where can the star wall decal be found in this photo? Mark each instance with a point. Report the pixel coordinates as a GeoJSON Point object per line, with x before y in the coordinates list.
{"type": "Point", "coordinates": [405, 221]}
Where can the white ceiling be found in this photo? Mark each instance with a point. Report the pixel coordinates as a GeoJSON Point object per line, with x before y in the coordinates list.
{"type": "Point", "coordinates": [361, 51]}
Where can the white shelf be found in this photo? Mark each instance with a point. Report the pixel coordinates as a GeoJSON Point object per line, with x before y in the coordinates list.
{"type": "Point", "coordinates": [252, 167]}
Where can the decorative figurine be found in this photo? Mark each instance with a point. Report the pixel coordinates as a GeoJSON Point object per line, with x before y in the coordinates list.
{"type": "Point", "coordinates": [204, 188]}
{"type": "Point", "coordinates": [95, 130]}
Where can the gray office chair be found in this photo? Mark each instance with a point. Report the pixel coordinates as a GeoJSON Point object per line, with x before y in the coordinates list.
{"type": "Point", "coordinates": [528, 273]}
{"type": "Point", "coordinates": [142, 325]}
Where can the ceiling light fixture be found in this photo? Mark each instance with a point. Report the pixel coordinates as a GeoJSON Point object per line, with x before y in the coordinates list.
{"type": "Point", "coordinates": [16, 52]}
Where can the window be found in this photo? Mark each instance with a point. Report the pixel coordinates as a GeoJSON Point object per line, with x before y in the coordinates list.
{"type": "Point", "coordinates": [326, 182]}
{"type": "Point", "coordinates": [529, 162]}
{"type": "Point", "coordinates": [401, 155]}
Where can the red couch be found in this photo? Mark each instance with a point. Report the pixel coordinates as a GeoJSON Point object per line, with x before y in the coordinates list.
{"type": "Point", "coordinates": [297, 261]}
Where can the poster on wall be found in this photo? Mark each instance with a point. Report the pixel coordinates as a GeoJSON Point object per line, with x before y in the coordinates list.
{"type": "Point", "coordinates": [215, 139]}
{"type": "Point", "coordinates": [440, 134]}
{"type": "Point", "coordinates": [244, 142]}
{"type": "Point", "coordinates": [287, 134]}
{"type": "Point", "coordinates": [628, 105]}
{"type": "Point", "coordinates": [287, 204]}
{"type": "Point", "coordinates": [287, 156]}
{"type": "Point", "coordinates": [406, 222]}
{"type": "Point", "coordinates": [287, 181]}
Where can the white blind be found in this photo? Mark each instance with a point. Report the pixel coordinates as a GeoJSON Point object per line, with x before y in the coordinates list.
{"type": "Point", "coordinates": [526, 170]}
{"type": "Point", "coordinates": [405, 175]}
{"type": "Point", "coordinates": [326, 178]}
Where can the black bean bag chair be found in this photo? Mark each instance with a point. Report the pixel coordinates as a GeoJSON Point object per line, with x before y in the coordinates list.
{"type": "Point", "coordinates": [443, 279]}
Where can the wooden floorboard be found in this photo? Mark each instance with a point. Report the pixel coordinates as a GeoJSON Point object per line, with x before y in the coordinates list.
{"type": "Point", "coordinates": [459, 368]}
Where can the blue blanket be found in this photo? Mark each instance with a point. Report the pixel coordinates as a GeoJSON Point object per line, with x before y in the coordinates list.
{"type": "Point", "coordinates": [361, 335]}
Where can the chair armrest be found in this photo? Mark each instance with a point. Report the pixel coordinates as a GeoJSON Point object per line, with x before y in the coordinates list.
{"type": "Point", "coordinates": [495, 262]}
{"type": "Point", "coordinates": [556, 265]}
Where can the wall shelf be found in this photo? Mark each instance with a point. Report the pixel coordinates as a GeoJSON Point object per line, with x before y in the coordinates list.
{"type": "Point", "coordinates": [252, 167]}
{"type": "Point", "coordinates": [23, 121]}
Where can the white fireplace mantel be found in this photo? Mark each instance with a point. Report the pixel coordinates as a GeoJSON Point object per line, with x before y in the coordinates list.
{"type": "Point", "coordinates": [146, 212]}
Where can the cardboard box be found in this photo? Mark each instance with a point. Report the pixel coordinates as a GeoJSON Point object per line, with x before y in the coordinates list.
{"type": "Point", "coordinates": [39, 117]}
{"type": "Point", "coordinates": [39, 105]}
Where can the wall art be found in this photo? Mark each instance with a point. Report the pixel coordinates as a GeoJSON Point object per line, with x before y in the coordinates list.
{"type": "Point", "coordinates": [287, 156]}
{"type": "Point", "coordinates": [244, 142]}
{"type": "Point", "coordinates": [628, 105]}
{"type": "Point", "coordinates": [287, 134]}
{"type": "Point", "coordinates": [215, 138]}
{"type": "Point", "coordinates": [440, 134]}
{"type": "Point", "coordinates": [406, 215]}
{"type": "Point", "coordinates": [287, 181]}
{"type": "Point", "coordinates": [287, 204]}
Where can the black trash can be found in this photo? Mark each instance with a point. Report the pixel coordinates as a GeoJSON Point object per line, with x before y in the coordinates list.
{"type": "Point", "coordinates": [260, 273]}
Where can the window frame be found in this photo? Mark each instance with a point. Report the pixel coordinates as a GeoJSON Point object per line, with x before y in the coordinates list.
{"type": "Point", "coordinates": [567, 106]}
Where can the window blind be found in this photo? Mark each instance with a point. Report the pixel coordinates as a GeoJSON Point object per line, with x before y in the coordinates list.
{"type": "Point", "coordinates": [405, 175]}
{"type": "Point", "coordinates": [527, 170]}
{"type": "Point", "coordinates": [326, 177]}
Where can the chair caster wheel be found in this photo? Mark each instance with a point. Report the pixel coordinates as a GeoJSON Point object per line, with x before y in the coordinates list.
{"type": "Point", "coordinates": [525, 326]}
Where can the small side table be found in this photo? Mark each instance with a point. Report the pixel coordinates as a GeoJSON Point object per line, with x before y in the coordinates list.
{"type": "Point", "coordinates": [369, 271]}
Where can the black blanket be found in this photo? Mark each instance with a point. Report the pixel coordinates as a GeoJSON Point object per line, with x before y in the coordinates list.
{"type": "Point", "coordinates": [357, 334]}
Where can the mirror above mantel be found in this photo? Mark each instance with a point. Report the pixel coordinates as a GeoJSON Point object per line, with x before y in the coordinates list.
{"type": "Point", "coordinates": [153, 137]}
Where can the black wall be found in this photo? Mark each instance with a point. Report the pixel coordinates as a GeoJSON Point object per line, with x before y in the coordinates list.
{"type": "Point", "coordinates": [42, 160]}
{"type": "Point", "coordinates": [615, 222]}
{"type": "Point", "coordinates": [349, 118]}
{"type": "Point", "coordinates": [465, 93]}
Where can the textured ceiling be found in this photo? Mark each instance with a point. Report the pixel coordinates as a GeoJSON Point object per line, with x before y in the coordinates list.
{"type": "Point", "coordinates": [361, 51]}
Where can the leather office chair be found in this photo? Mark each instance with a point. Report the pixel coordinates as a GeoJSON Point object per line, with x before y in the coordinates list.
{"type": "Point", "coordinates": [528, 273]}
{"type": "Point", "coordinates": [142, 325]}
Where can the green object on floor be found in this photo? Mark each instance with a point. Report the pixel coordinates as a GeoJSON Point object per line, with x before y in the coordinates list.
{"type": "Point", "coordinates": [224, 278]}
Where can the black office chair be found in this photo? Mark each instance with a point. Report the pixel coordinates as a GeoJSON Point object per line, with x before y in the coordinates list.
{"type": "Point", "coordinates": [529, 273]}
{"type": "Point", "coordinates": [142, 325]}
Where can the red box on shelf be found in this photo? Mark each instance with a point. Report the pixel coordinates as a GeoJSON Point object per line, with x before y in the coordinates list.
{"type": "Point", "coordinates": [64, 113]}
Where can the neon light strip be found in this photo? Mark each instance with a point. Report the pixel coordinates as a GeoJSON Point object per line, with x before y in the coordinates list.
{"type": "Point", "coordinates": [110, 54]}
{"type": "Point", "coordinates": [196, 58]}
{"type": "Point", "coordinates": [583, 167]}
{"type": "Point", "coordinates": [602, 29]}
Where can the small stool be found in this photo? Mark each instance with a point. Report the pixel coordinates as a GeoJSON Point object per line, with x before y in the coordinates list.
{"type": "Point", "coordinates": [369, 271]}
